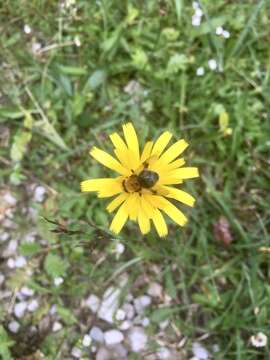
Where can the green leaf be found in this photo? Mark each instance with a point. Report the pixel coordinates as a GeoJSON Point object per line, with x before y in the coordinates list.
{"type": "Point", "coordinates": [162, 314]}
{"type": "Point", "coordinates": [29, 248]}
{"type": "Point", "coordinates": [73, 70]}
{"type": "Point", "coordinates": [19, 146]}
{"type": "Point", "coordinates": [170, 286]}
{"type": "Point", "coordinates": [55, 266]}
{"type": "Point", "coordinates": [66, 315]}
{"type": "Point", "coordinates": [95, 80]}
{"type": "Point", "coordinates": [10, 113]}
{"type": "Point", "coordinates": [5, 344]}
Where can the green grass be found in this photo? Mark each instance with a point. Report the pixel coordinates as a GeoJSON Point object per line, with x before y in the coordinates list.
{"type": "Point", "coordinates": [61, 101]}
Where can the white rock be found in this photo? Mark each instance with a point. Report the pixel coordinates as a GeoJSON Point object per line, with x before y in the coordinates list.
{"type": "Point", "coordinates": [14, 326]}
{"type": "Point", "coordinates": [19, 309]}
{"type": "Point", "coordinates": [113, 337]}
{"type": "Point", "coordinates": [129, 311]}
{"type": "Point", "coordinates": [86, 340]}
{"type": "Point", "coordinates": [39, 193]}
{"type": "Point", "coordinates": [120, 315]}
{"type": "Point", "coordinates": [120, 350]}
{"type": "Point", "coordinates": [10, 199]}
{"type": "Point", "coordinates": [164, 353]}
{"type": "Point", "coordinates": [226, 34]}
{"type": "Point", "coordinates": [125, 325]}
{"type": "Point", "coordinates": [155, 290]}
{"type": "Point", "coordinates": [196, 20]}
{"type": "Point", "coordinates": [199, 351]}
{"type": "Point", "coordinates": [141, 303]}
{"type": "Point", "coordinates": [164, 324]}
{"type": "Point", "coordinates": [33, 305]}
{"type": "Point", "coordinates": [97, 334]}
{"type": "Point", "coordinates": [93, 303]}
{"type": "Point", "coordinates": [57, 326]}
{"type": "Point", "coordinates": [198, 12]}
{"type": "Point", "coordinates": [145, 322]}
{"type": "Point", "coordinates": [109, 304]}
{"type": "Point", "coordinates": [103, 354]}
{"type": "Point", "coordinates": [53, 309]}
{"type": "Point", "coordinates": [130, 297]}
{"type": "Point", "coordinates": [58, 281]}
{"type": "Point", "coordinates": [10, 249]}
{"type": "Point", "coordinates": [76, 352]}
{"type": "Point", "coordinates": [11, 263]}
{"type": "Point", "coordinates": [20, 262]}
{"type": "Point", "coordinates": [26, 291]}
{"type": "Point", "coordinates": [4, 236]}
{"type": "Point", "coordinates": [2, 279]}
{"type": "Point", "coordinates": [137, 339]}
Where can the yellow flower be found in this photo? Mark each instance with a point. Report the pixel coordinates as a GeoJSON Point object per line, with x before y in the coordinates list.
{"type": "Point", "coordinates": [144, 182]}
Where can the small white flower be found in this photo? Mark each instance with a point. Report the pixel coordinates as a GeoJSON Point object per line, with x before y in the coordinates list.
{"type": "Point", "coordinates": [212, 63]}
{"type": "Point", "coordinates": [27, 29]}
{"type": "Point", "coordinates": [196, 20]}
{"type": "Point", "coordinates": [198, 12]}
{"type": "Point", "coordinates": [226, 34]}
{"type": "Point", "coordinates": [259, 340]}
{"type": "Point", "coordinates": [58, 281]}
{"type": "Point", "coordinates": [200, 71]}
{"type": "Point", "coordinates": [219, 30]}
{"type": "Point", "coordinates": [120, 248]}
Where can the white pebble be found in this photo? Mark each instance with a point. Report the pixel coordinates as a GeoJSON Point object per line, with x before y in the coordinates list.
{"type": "Point", "coordinates": [97, 334]}
{"type": "Point", "coordinates": [198, 12]}
{"type": "Point", "coordinates": [259, 340]}
{"type": "Point", "coordinates": [120, 315]}
{"type": "Point", "coordinates": [20, 262]}
{"type": "Point", "coordinates": [93, 303]}
{"type": "Point", "coordinates": [212, 63]}
{"type": "Point", "coordinates": [145, 322]}
{"type": "Point", "coordinates": [125, 325]}
{"type": "Point", "coordinates": [33, 305]}
{"type": "Point", "coordinates": [141, 303]}
{"type": "Point", "coordinates": [11, 263]}
{"type": "Point", "coordinates": [10, 199]}
{"type": "Point", "coordinates": [199, 351]}
{"type": "Point", "coordinates": [137, 339]}
{"type": "Point", "coordinates": [57, 326]}
{"type": "Point", "coordinates": [4, 236]}
{"type": "Point", "coordinates": [14, 326]}
{"type": "Point", "coordinates": [155, 290]}
{"type": "Point", "coordinates": [113, 337]}
{"type": "Point", "coordinates": [86, 340]}
{"type": "Point", "coordinates": [27, 29]}
{"type": "Point", "coordinates": [10, 249]}
{"type": "Point", "coordinates": [26, 291]}
{"type": "Point", "coordinates": [129, 310]}
{"type": "Point", "coordinates": [164, 324]}
{"type": "Point", "coordinates": [219, 30]}
{"type": "Point", "coordinates": [76, 352]}
{"type": "Point", "coordinates": [39, 193]}
{"type": "Point", "coordinates": [200, 71]}
{"type": "Point", "coordinates": [58, 281]}
{"type": "Point", "coordinates": [164, 353]}
{"type": "Point", "coordinates": [109, 304]}
{"type": "Point", "coordinates": [19, 309]}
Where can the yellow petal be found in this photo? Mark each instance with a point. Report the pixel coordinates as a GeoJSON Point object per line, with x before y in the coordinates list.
{"type": "Point", "coordinates": [169, 209]}
{"type": "Point", "coordinates": [176, 163]}
{"type": "Point", "coordinates": [117, 202]}
{"type": "Point", "coordinates": [161, 143]}
{"type": "Point", "coordinates": [132, 205]}
{"type": "Point", "coordinates": [147, 206]}
{"type": "Point", "coordinates": [163, 168]}
{"type": "Point", "coordinates": [131, 139]}
{"type": "Point", "coordinates": [147, 150]}
{"type": "Point", "coordinates": [169, 180]}
{"type": "Point", "coordinates": [110, 191]}
{"type": "Point", "coordinates": [185, 173]}
{"type": "Point", "coordinates": [108, 161]}
{"type": "Point", "coordinates": [180, 195]}
{"type": "Point", "coordinates": [120, 219]}
{"type": "Point", "coordinates": [97, 184]}
{"type": "Point", "coordinates": [118, 142]}
{"type": "Point", "coordinates": [144, 222]}
{"type": "Point", "coordinates": [174, 151]}
{"type": "Point", "coordinates": [160, 223]}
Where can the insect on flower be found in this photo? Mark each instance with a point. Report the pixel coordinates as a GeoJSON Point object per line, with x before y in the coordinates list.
{"type": "Point", "coordinates": [144, 181]}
